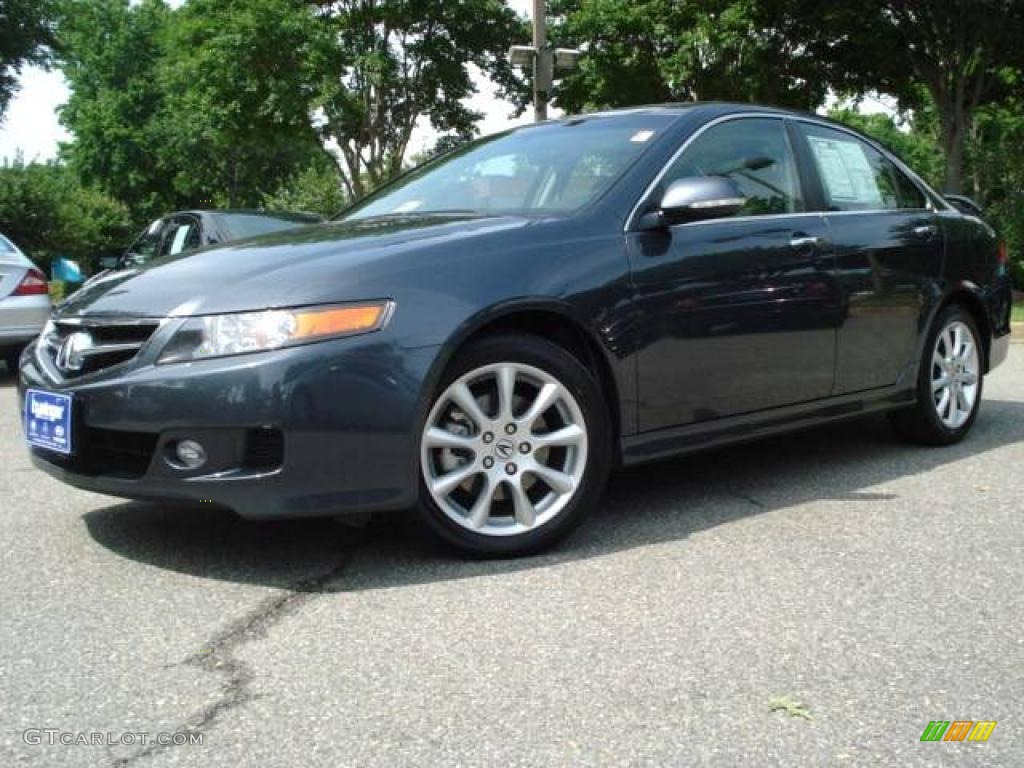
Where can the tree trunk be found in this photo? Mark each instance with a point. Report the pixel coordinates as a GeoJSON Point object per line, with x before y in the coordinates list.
{"type": "Point", "coordinates": [954, 131]}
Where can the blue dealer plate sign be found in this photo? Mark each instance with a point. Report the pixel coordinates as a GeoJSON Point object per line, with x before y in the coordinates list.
{"type": "Point", "coordinates": [48, 420]}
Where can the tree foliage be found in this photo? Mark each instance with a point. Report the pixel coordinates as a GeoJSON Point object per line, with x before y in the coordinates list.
{"type": "Point", "coordinates": [394, 63]}
{"type": "Point", "coordinates": [207, 105]}
{"type": "Point", "coordinates": [653, 51]}
{"type": "Point", "coordinates": [48, 213]}
{"type": "Point", "coordinates": [26, 37]}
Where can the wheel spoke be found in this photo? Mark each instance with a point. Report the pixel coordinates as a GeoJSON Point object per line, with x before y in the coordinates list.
{"type": "Point", "coordinates": [559, 482]}
{"type": "Point", "coordinates": [943, 404]}
{"type": "Point", "coordinates": [940, 383]}
{"type": "Point", "coordinates": [954, 336]}
{"type": "Point", "coordinates": [447, 483]}
{"type": "Point", "coordinates": [481, 509]}
{"type": "Point", "coordinates": [966, 351]}
{"type": "Point", "coordinates": [938, 360]}
{"type": "Point", "coordinates": [466, 401]}
{"type": "Point", "coordinates": [436, 437]}
{"type": "Point", "coordinates": [566, 436]}
{"type": "Point", "coordinates": [969, 378]}
{"type": "Point", "coordinates": [961, 401]}
{"type": "Point", "coordinates": [525, 513]}
{"type": "Point", "coordinates": [506, 380]}
{"type": "Point", "coordinates": [546, 397]}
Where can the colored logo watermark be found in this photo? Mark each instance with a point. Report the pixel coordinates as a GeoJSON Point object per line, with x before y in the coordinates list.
{"type": "Point", "coordinates": [958, 730]}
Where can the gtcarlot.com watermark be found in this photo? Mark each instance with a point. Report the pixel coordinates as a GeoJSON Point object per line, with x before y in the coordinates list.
{"type": "Point", "coordinates": [53, 736]}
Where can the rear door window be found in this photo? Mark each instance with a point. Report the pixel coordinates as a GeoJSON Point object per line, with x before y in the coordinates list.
{"type": "Point", "coordinates": [857, 177]}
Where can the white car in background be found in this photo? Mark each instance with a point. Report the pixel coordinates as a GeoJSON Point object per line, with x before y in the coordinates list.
{"type": "Point", "coordinates": [24, 302]}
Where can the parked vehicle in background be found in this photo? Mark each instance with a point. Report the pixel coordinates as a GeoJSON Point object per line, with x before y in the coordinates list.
{"type": "Point", "coordinates": [24, 302]}
{"type": "Point", "coordinates": [492, 333]}
{"type": "Point", "coordinates": [190, 230]}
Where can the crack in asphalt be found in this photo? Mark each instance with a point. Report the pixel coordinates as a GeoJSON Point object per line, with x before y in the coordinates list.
{"type": "Point", "coordinates": [218, 653]}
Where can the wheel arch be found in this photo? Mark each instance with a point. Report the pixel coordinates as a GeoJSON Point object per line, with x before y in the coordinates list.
{"type": "Point", "coordinates": [968, 295]}
{"type": "Point", "coordinates": [552, 321]}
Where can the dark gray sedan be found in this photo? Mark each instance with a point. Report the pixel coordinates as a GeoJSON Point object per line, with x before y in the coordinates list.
{"type": "Point", "coordinates": [484, 339]}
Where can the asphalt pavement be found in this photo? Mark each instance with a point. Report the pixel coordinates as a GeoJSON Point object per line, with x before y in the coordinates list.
{"type": "Point", "coordinates": [810, 600]}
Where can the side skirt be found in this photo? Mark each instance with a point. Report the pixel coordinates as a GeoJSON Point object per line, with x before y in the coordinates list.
{"type": "Point", "coordinates": [674, 441]}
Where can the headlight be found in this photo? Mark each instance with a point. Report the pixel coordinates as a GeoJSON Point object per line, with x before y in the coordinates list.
{"type": "Point", "coordinates": [237, 334]}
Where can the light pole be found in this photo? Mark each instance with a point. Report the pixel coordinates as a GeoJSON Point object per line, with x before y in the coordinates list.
{"type": "Point", "coordinates": [543, 72]}
{"type": "Point", "coordinates": [546, 62]}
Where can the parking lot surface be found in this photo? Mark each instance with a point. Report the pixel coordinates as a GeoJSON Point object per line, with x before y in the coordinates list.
{"type": "Point", "coordinates": [869, 586]}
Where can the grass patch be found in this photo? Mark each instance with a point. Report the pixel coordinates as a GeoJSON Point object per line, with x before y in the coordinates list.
{"type": "Point", "coordinates": [1017, 315]}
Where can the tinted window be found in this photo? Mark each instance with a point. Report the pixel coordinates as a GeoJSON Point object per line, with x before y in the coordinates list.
{"type": "Point", "coordinates": [145, 248]}
{"type": "Point", "coordinates": [182, 235]}
{"type": "Point", "coordinates": [243, 225]}
{"type": "Point", "coordinates": [556, 167]}
{"type": "Point", "coordinates": [857, 177]}
{"type": "Point", "coordinates": [753, 152]}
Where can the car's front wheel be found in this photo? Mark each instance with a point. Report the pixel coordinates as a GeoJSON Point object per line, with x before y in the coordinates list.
{"type": "Point", "coordinates": [516, 448]}
{"type": "Point", "coordinates": [949, 382]}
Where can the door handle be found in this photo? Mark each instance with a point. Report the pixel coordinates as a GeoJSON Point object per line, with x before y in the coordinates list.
{"type": "Point", "coordinates": [807, 242]}
{"type": "Point", "coordinates": [926, 231]}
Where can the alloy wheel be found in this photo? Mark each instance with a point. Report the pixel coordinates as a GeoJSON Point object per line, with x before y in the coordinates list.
{"type": "Point", "coordinates": [504, 449]}
{"type": "Point", "coordinates": [955, 374]}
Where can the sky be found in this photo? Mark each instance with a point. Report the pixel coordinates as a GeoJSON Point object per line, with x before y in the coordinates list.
{"type": "Point", "coordinates": [31, 125]}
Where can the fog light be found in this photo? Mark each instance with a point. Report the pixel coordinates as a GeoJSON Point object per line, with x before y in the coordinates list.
{"type": "Point", "coordinates": [191, 455]}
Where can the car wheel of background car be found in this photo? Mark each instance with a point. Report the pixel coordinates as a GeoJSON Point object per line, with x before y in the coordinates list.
{"type": "Point", "coordinates": [516, 448]}
{"type": "Point", "coordinates": [949, 383]}
{"type": "Point", "coordinates": [11, 359]}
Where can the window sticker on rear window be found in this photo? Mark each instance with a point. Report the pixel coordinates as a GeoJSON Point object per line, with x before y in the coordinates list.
{"type": "Point", "coordinates": [845, 171]}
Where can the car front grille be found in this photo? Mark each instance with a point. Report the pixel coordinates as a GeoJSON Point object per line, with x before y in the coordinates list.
{"type": "Point", "coordinates": [77, 347]}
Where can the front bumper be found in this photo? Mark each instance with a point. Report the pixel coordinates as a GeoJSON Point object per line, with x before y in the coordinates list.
{"type": "Point", "coordinates": [345, 414]}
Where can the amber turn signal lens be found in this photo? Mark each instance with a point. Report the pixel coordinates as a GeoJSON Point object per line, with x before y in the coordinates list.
{"type": "Point", "coordinates": [337, 321]}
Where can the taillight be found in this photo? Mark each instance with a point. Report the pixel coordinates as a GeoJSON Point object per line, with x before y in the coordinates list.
{"type": "Point", "coordinates": [34, 284]}
{"type": "Point", "coordinates": [1002, 255]}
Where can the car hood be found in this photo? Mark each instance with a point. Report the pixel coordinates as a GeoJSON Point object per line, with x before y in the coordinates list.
{"type": "Point", "coordinates": [332, 262]}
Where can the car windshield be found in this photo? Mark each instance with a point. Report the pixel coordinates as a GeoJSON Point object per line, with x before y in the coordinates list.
{"type": "Point", "coordinates": [551, 168]}
{"type": "Point", "coordinates": [242, 225]}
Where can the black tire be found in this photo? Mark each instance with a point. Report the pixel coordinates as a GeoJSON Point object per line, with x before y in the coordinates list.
{"type": "Point", "coordinates": [921, 423]}
{"type": "Point", "coordinates": [588, 394]}
{"type": "Point", "coordinates": [11, 359]}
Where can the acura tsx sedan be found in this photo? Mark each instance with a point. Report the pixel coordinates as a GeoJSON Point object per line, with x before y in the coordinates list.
{"type": "Point", "coordinates": [487, 337]}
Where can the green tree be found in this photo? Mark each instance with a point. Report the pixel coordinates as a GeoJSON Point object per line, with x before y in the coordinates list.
{"type": "Point", "coordinates": [26, 37]}
{"type": "Point", "coordinates": [206, 105]}
{"type": "Point", "coordinates": [682, 50]}
{"type": "Point", "coordinates": [110, 55]}
{"type": "Point", "coordinates": [394, 62]}
{"type": "Point", "coordinates": [48, 213]}
{"type": "Point", "coordinates": [960, 53]}
{"type": "Point", "coordinates": [316, 189]}
{"type": "Point", "coordinates": [238, 79]}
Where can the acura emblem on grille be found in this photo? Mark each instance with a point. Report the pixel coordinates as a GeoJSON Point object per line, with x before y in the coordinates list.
{"type": "Point", "coordinates": [71, 355]}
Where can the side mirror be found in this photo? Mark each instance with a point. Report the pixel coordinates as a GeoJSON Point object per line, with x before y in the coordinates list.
{"type": "Point", "coordinates": [697, 198]}
{"type": "Point", "coordinates": [109, 262]}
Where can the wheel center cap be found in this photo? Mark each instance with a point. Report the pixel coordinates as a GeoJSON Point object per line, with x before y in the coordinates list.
{"type": "Point", "coordinates": [504, 449]}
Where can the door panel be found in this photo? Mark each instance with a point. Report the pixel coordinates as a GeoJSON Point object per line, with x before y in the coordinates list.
{"type": "Point", "coordinates": [737, 316]}
{"type": "Point", "coordinates": [889, 250]}
{"type": "Point", "coordinates": [884, 265]}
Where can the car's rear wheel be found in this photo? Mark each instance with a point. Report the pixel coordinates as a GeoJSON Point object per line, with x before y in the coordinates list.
{"type": "Point", "coordinates": [949, 383]}
{"type": "Point", "coordinates": [515, 450]}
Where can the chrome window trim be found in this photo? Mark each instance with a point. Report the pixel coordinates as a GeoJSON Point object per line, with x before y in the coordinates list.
{"type": "Point", "coordinates": [928, 193]}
